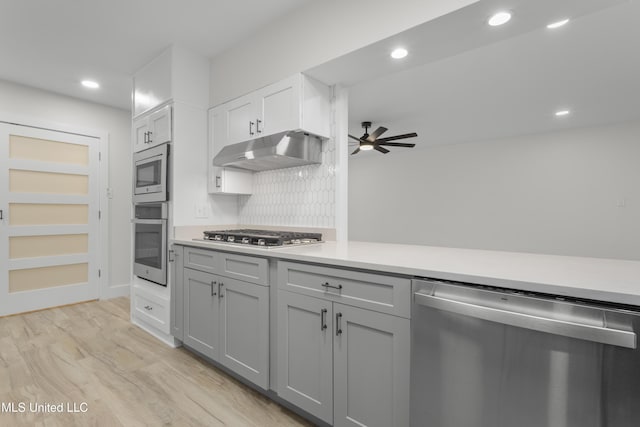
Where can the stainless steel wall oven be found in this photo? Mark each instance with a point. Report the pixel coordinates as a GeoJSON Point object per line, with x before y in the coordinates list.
{"type": "Point", "coordinates": [150, 242]}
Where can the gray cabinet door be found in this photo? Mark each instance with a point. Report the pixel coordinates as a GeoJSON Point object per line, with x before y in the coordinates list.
{"type": "Point", "coordinates": [201, 311]}
{"type": "Point", "coordinates": [244, 329]}
{"type": "Point", "coordinates": [371, 368]}
{"type": "Point", "coordinates": [305, 356]}
{"type": "Point", "coordinates": [177, 292]}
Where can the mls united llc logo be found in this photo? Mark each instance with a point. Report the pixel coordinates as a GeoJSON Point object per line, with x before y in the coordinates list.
{"type": "Point", "coordinates": [35, 407]}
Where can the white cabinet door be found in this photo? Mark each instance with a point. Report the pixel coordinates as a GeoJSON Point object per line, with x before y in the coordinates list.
{"type": "Point", "coordinates": [160, 126]}
{"type": "Point", "coordinates": [279, 107]}
{"type": "Point", "coordinates": [140, 134]}
{"type": "Point", "coordinates": [201, 312]}
{"type": "Point", "coordinates": [305, 355]}
{"type": "Point", "coordinates": [244, 329]}
{"type": "Point", "coordinates": [241, 119]}
{"type": "Point", "coordinates": [152, 129]}
{"type": "Point", "coordinates": [371, 368]}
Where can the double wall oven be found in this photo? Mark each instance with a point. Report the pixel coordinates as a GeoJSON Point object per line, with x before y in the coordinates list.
{"type": "Point", "coordinates": [151, 199]}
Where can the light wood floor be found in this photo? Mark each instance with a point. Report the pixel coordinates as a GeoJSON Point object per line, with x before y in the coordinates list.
{"type": "Point", "coordinates": [91, 353]}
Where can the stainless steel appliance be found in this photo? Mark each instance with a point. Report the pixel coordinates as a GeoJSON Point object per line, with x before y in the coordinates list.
{"type": "Point", "coordinates": [150, 242]}
{"type": "Point", "coordinates": [282, 150]}
{"type": "Point", "coordinates": [263, 238]}
{"type": "Point", "coordinates": [151, 175]}
{"type": "Point", "coordinates": [492, 357]}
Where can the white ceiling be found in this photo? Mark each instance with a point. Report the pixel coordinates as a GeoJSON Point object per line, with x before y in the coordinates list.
{"type": "Point", "coordinates": [465, 81]}
{"type": "Point", "coordinates": [54, 45]}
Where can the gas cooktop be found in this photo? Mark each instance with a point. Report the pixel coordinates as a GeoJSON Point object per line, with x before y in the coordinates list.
{"type": "Point", "coordinates": [263, 238]}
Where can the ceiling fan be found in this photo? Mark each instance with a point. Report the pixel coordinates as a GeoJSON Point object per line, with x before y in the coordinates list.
{"type": "Point", "coordinates": [373, 142]}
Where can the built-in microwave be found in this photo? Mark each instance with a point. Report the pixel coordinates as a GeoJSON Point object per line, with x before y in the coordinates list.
{"type": "Point", "coordinates": [150, 242]}
{"type": "Point", "coordinates": [151, 175]}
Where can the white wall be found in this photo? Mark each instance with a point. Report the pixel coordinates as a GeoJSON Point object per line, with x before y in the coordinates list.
{"type": "Point", "coordinates": [574, 192]}
{"type": "Point", "coordinates": [313, 34]}
{"type": "Point", "coordinates": [27, 102]}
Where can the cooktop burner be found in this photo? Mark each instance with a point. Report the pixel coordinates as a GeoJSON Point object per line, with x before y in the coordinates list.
{"type": "Point", "coordinates": [268, 238]}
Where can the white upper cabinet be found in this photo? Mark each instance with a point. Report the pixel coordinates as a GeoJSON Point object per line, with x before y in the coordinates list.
{"type": "Point", "coordinates": [295, 103]}
{"type": "Point", "coordinates": [176, 75]}
{"type": "Point", "coordinates": [152, 129]}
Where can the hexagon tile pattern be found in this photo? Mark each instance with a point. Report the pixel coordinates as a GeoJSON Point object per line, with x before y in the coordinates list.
{"type": "Point", "coordinates": [302, 196]}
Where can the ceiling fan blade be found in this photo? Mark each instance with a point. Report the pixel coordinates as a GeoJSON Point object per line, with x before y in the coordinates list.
{"type": "Point", "coordinates": [351, 136]}
{"type": "Point", "coordinates": [396, 144]}
{"type": "Point", "coordinates": [394, 138]}
{"type": "Point", "coordinates": [380, 149]}
{"type": "Point", "coordinates": [356, 151]}
{"type": "Point", "coordinates": [375, 134]}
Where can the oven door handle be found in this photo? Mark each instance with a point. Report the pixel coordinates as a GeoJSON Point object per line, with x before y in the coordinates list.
{"type": "Point", "coordinates": [599, 334]}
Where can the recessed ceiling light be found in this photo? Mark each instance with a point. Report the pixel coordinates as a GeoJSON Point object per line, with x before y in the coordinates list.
{"type": "Point", "coordinates": [562, 112]}
{"type": "Point", "coordinates": [399, 53]}
{"type": "Point", "coordinates": [90, 84]}
{"type": "Point", "coordinates": [499, 18]}
{"type": "Point", "coordinates": [557, 24]}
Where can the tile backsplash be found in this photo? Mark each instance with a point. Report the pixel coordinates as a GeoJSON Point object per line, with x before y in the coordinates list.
{"type": "Point", "coordinates": [302, 196]}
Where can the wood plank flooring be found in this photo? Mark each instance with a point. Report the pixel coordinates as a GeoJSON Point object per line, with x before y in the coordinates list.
{"type": "Point", "coordinates": [91, 353]}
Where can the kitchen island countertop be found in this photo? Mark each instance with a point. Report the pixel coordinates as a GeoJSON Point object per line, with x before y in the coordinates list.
{"type": "Point", "coordinates": [609, 280]}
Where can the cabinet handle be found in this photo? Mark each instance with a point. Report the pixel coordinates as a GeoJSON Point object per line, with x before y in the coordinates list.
{"type": "Point", "coordinates": [218, 181]}
{"type": "Point", "coordinates": [323, 319]}
{"type": "Point", "coordinates": [212, 285]}
{"type": "Point", "coordinates": [338, 321]}
{"type": "Point", "coordinates": [150, 140]}
{"type": "Point", "coordinates": [1, 215]}
{"type": "Point", "coordinates": [220, 294]}
{"type": "Point", "coordinates": [326, 286]}
{"type": "Point", "coordinates": [251, 128]}
{"type": "Point", "coordinates": [145, 137]}
{"type": "Point", "coordinates": [148, 307]}
{"type": "Point", "coordinates": [171, 252]}
{"type": "Point", "coordinates": [258, 121]}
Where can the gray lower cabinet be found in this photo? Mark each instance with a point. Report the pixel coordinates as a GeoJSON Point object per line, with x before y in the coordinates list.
{"type": "Point", "coordinates": [305, 353]}
{"type": "Point", "coordinates": [221, 317]}
{"type": "Point", "coordinates": [371, 362]}
{"type": "Point", "coordinates": [347, 366]}
{"type": "Point", "coordinates": [201, 312]}
{"type": "Point", "coordinates": [244, 329]}
{"type": "Point", "coordinates": [177, 306]}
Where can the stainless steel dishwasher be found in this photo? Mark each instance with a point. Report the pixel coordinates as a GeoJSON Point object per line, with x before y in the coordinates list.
{"type": "Point", "coordinates": [492, 357]}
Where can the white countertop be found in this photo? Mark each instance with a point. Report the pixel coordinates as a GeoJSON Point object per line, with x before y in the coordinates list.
{"type": "Point", "coordinates": [591, 278]}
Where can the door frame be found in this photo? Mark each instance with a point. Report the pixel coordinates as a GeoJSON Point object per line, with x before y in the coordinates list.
{"type": "Point", "coordinates": [105, 291]}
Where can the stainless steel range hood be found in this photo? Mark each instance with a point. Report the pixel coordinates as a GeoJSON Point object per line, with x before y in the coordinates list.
{"type": "Point", "coordinates": [278, 151]}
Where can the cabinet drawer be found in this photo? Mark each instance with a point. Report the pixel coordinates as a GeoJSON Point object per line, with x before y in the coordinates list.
{"type": "Point", "coordinates": [201, 259]}
{"type": "Point", "coordinates": [386, 294]}
{"type": "Point", "coordinates": [247, 268]}
{"type": "Point", "coordinates": [152, 309]}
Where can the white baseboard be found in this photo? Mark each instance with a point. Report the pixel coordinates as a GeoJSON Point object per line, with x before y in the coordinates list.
{"type": "Point", "coordinates": [167, 339]}
{"type": "Point", "coordinates": [116, 291]}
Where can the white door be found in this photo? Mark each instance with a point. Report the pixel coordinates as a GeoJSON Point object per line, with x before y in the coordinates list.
{"type": "Point", "coordinates": [241, 119]}
{"type": "Point", "coordinates": [49, 231]}
{"type": "Point", "coordinates": [279, 107]}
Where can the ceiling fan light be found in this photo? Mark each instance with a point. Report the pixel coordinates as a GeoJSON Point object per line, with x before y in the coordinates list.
{"type": "Point", "coordinates": [366, 147]}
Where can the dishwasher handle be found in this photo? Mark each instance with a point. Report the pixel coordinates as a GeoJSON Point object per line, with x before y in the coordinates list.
{"type": "Point", "coordinates": [599, 334]}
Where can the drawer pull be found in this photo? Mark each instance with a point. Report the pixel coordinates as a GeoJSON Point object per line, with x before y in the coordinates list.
{"type": "Point", "coordinates": [148, 307]}
{"type": "Point", "coordinates": [220, 294]}
{"type": "Point", "coordinates": [323, 319]}
{"type": "Point", "coordinates": [212, 285]}
{"type": "Point", "coordinates": [326, 285]}
{"type": "Point", "coordinates": [338, 321]}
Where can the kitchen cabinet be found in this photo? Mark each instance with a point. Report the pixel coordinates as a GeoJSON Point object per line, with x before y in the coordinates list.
{"type": "Point", "coordinates": [224, 180]}
{"type": "Point", "coordinates": [229, 181]}
{"type": "Point", "coordinates": [224, 318]}
{"type": "Point", "coordinates": [295, 103]}
{"type": "Point", "coordinates": [345, 362]}
{"type": "Point", "coordinates": [152, 129]}
{"type": "Point", "coordinates": [176, 266]}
